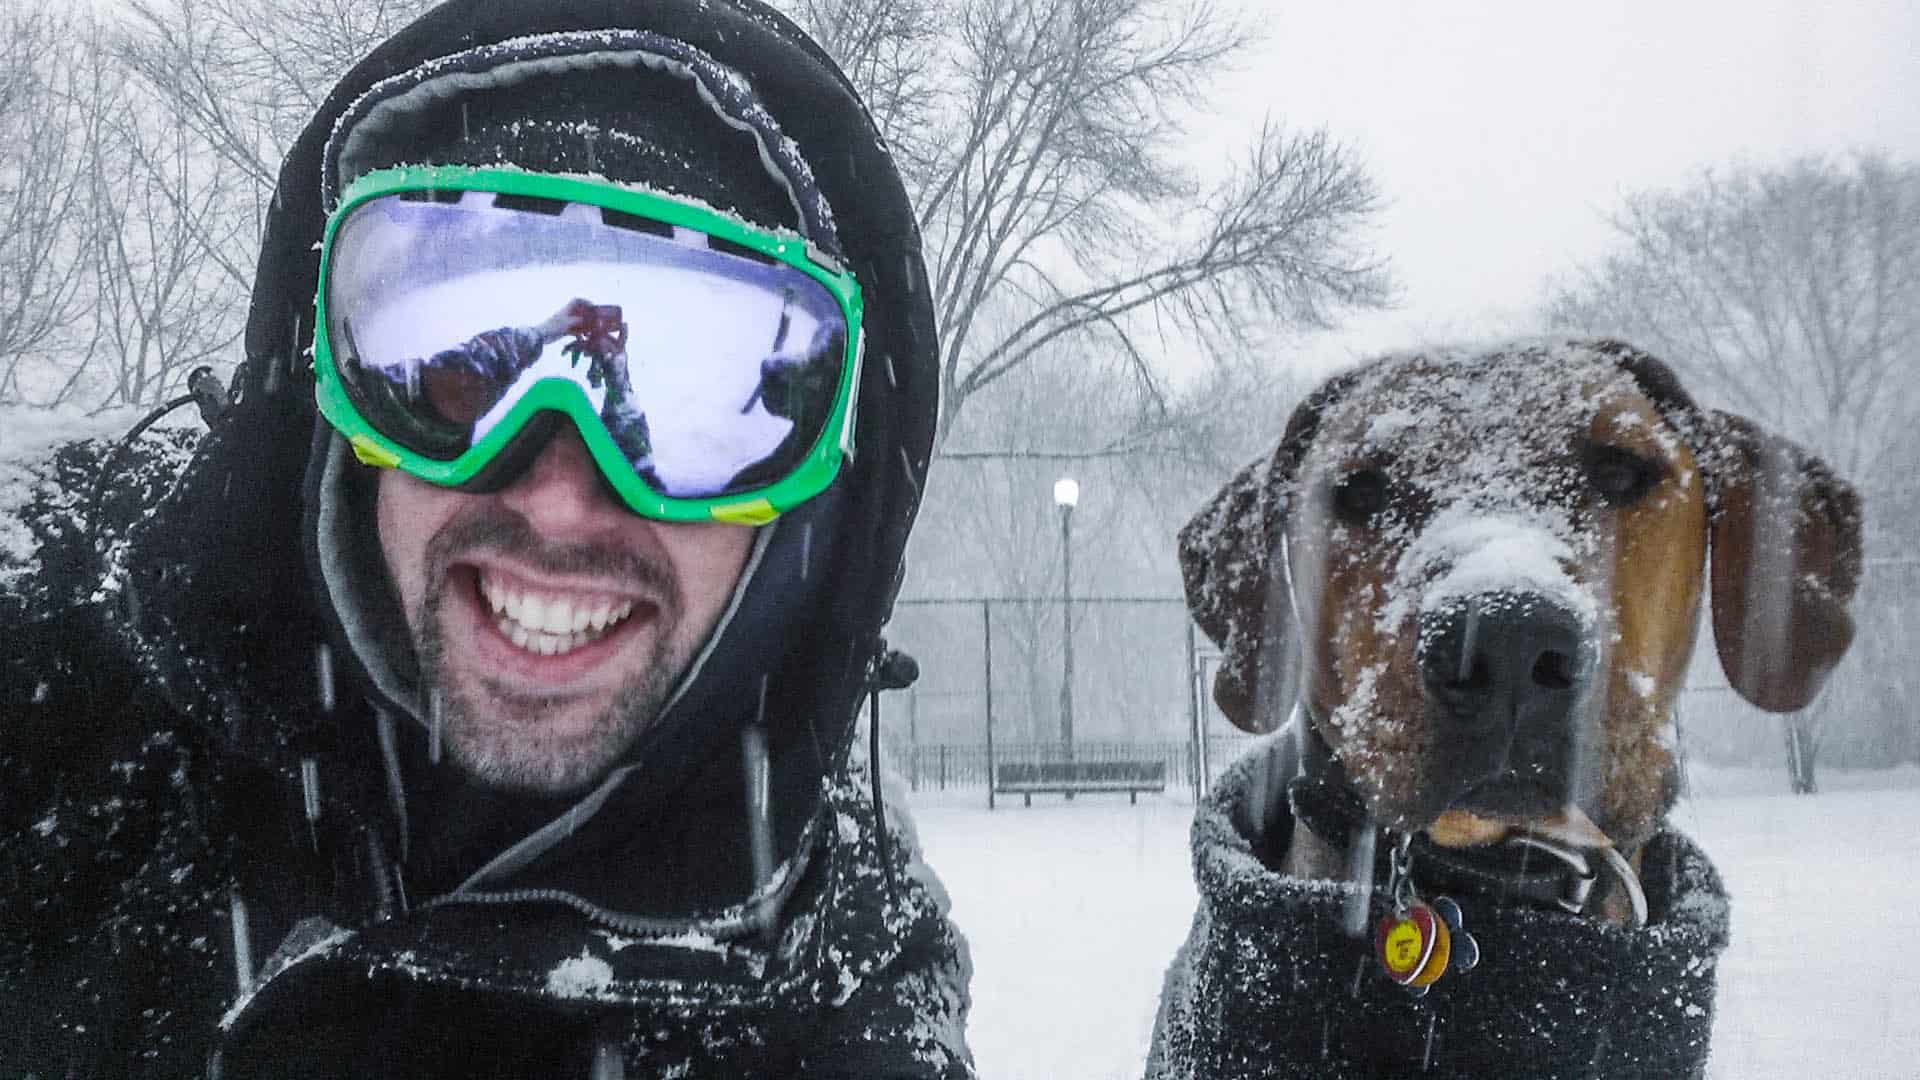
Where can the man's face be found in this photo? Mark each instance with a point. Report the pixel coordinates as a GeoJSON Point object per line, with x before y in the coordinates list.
{"type": "Point", "coordinates": [550, 622]}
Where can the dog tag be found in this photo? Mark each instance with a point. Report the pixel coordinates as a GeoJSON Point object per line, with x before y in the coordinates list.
{"type": "Point", "coordinates": [1417, 942]}
{"type": "Point", "coordinates": [1436, 964]}
{"type": "Point", "coordinates": [1466, 949]}
{"type": "Point", "coordinates": [1405, 943]}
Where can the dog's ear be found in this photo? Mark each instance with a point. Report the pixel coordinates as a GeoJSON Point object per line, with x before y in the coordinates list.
{"type": "Point", "coordinates": [1225, 551]}
{"type": "Point", "coordinates": [1237, 596]}
{"type": "Point", "coordinates": [1786, 560]}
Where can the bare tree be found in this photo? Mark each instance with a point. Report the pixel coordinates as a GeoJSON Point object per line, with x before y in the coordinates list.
{"type": "Point", "coordinates": [990, 528]}
{"type": "Point", "coordinates": [43, 138]}
{"type": "Point", "coordinates": [889, 48]}
{"type": "Point", "coordinates": [130, 210]}
{"type": "Point", "coordinates": [1043, 143]}
{"type": "Point", "coordinates": [1791, 295]}
{"type": "Point", "coordinates": [242, 77]}
{"type": "Point", "coordinates": [161, 304]}
{"type": "Point", "coordinates": [1794, 294]}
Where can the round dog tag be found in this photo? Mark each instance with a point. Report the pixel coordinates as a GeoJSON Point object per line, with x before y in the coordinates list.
{"type": "Point", "coordinates": [1436, 964]}
{"type": "Point", "coordinates": [1404, 943]}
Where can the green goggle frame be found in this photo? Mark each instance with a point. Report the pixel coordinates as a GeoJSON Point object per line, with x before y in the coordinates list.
{"type": "Point", "coordinates": [759, 505]}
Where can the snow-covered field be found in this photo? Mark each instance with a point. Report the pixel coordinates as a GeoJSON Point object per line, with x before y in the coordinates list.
{"type": "Point", "coordinates": [1073, 909]}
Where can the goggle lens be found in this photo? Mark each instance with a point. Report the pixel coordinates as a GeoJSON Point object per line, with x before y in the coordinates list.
{"type": "Point", "coordinates": [714, 368]}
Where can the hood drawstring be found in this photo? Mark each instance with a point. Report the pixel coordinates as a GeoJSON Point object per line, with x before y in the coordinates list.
{"type": "Point", "coordinates": [609, 1057]}
{"type": "Point", "coordinates": [436, 724]}
{"type": "Point", "coordinates": [383, 890]}
{"type": "Point", "coordinates": [753, 751]}
{"type": "Point", "coordinates": [309, 764]}
{"type": "Point", "coordinates": [890, 669]}
{"type": "Point", "coordinates": [389, 885]}
{"type": "Point", "coordinates": [881, 842]}
{"type": "Point", "coordinates": [310, 798]}
{"type": "Point", "coordinates": [396, 787]}
{"type": "Point", "coordinates": [242, 941]}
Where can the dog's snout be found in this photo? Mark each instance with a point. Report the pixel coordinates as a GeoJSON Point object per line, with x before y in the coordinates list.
{"type": "Point", "coordinates": [1506, 658]}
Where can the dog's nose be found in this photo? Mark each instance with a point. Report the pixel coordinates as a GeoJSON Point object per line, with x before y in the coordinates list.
{"type": "Point", "coordinates": [1513, 661]}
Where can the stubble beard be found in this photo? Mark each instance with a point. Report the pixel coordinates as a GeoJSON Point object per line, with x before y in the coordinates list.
{"type": "Point", "coordinates": [497, 737]}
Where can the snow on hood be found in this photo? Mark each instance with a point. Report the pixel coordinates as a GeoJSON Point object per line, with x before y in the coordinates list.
{"type": "Point", "coordinates": [28, 438]}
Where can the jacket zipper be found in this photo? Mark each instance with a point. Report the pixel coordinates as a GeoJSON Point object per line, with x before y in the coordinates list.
{"type": "Point", "coordinates": [755, 916]}
{"type": "Point", "coordinates": [637, 925]}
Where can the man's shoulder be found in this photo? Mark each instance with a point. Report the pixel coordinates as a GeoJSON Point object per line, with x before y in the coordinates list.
{"type": "Point", "coordinates": [69, 687]}
{"type": "Point", "coordinates": [68, 502]}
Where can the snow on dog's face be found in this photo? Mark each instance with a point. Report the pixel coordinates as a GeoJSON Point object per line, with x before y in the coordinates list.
{"type": "Point", "coordinates": [1480, 572]}
{"type": "Point", "coordinates": [1497, 559]}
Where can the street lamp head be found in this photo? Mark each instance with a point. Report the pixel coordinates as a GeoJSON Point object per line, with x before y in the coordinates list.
{"type": "Point", "coordinates": [1066, 492]}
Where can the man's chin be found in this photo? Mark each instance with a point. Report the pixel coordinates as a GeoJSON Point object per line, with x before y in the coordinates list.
{"type": "Point", "coordinates": [541, 743]}
{"type": "Point", "coordinates": [509, 730]}
{"type": "Point", "coordinates": [531, 767]}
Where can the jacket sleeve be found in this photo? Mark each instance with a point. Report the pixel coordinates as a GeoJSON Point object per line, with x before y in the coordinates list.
{"type": "Point", "coordinates": [903, 1015]}
{"type": "Point", "coordinates": [109, 959]}
{"type": "Point", "coordinates": [105, 952]}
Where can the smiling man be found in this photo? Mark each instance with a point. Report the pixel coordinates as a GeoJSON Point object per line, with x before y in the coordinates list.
{"type": "Point", "coordinates": [481, 699]}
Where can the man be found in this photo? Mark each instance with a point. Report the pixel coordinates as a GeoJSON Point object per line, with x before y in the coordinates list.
{"type": "Point", "coordinates": [481, 753]}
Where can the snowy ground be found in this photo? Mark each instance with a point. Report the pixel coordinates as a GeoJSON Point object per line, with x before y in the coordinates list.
{"type": "Point", "coordinates": [1073, 909]}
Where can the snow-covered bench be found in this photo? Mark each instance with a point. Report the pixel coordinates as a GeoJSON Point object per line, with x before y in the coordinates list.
{"type": "Point", "coordinates": [1027, 778]}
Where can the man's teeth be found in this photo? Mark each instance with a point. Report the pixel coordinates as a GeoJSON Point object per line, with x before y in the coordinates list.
{"type": "Point", "coordinates": [551, 624]}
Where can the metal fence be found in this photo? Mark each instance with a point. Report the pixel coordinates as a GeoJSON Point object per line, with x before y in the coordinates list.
{"type": "Point", "coordinates": [967, 766]}
{"type": "Point", "coordinates": [998, 683]}
{"type": "Point", "coordinates": [993, 671]}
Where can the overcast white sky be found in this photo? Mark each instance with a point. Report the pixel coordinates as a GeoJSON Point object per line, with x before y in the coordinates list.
{"type": "Point", "coordinates": [1502, 131]}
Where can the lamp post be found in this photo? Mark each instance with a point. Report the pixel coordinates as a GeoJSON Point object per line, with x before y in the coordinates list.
{"type": "Point", "coordinates": [1066, 493]}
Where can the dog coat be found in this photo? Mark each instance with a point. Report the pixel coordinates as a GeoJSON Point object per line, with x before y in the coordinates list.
{"type": "Point", "coordinates": [1268, 984]}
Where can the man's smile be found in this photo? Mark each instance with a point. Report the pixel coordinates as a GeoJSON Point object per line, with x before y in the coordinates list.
{"type": "Point", "coordinates": [551, 623]}
{"type": "Point", "coordinates": [541, 634]}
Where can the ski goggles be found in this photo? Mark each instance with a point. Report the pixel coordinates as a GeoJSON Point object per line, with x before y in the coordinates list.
{"type": "Point", "coordinates": [710, 367]}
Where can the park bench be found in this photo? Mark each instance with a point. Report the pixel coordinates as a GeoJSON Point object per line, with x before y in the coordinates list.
{"type": "Point", "coordinates": [1026, 778]}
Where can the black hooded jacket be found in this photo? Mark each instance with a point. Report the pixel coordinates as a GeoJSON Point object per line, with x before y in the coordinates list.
{"type": "Point", "coordinates": [1268, 984]}
{"type": "Point", "coordinates": [224, 848]}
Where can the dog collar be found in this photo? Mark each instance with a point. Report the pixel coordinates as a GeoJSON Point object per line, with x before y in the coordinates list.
{"type": "Point", "coordinates": [1535, 869]}
{"type": "Point", "coordinates": [1524, 869]}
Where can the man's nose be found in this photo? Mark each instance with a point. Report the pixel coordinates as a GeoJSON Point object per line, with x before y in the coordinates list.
{"type": "Point", "coordinates": [561, 492]}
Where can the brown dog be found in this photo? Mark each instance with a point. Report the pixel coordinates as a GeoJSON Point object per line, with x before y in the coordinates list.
{"type": "Point", "coordinates": [1473, 577]}
{"type": "Point", "coordinates": [1478, 575]}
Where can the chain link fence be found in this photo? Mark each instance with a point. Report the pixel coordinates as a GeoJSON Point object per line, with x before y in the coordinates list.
{"type": "Point", "coordinates": [993, 672]}
{"type": "Point", "coordinates": [997, 685]}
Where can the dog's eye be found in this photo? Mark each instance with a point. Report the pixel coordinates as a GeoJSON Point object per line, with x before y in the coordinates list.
{"type": "Point", "coordinates": [1358, 496]}
{"type": "Point", "coordinates": [1621, 476]}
